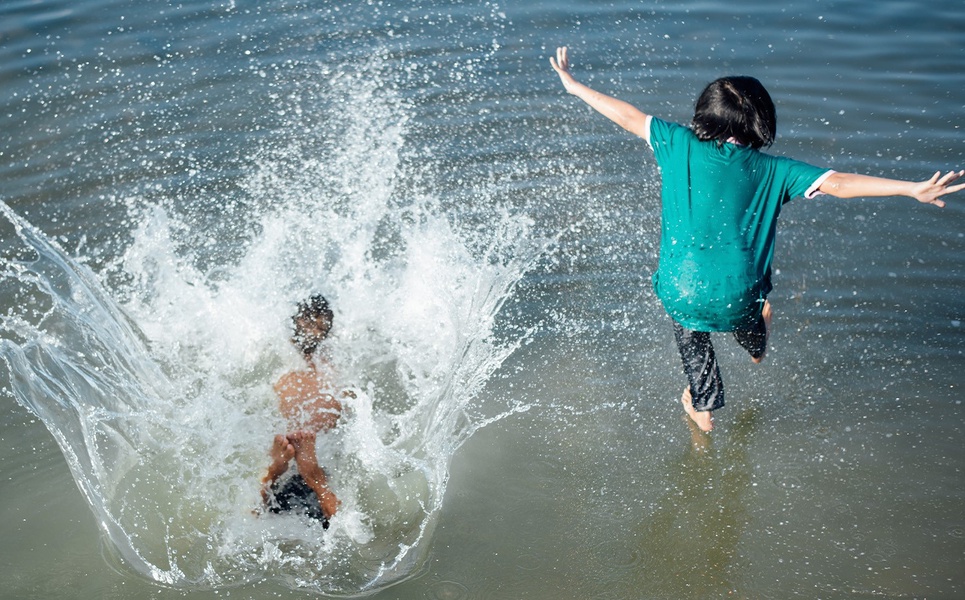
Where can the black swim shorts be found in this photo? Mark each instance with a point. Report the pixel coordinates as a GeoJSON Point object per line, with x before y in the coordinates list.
{"type": "Point", "coordinates": [292, 494]}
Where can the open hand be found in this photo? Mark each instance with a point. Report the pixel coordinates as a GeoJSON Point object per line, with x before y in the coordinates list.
{"type": "Point", "coordinates": [562, 67]}
{"type": "Point", "coordinates": [930, 191]}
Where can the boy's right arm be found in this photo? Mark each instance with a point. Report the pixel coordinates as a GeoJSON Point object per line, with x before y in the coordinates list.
{"type": "Point", "coordinates": [852, 185]}
{"type": "Point", "coordinates": [622, 113]}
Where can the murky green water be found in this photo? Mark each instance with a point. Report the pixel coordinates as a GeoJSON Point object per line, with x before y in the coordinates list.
{"type": "Point", "coordinates": [836, 468]}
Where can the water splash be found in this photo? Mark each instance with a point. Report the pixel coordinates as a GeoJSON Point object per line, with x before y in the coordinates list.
{"type": "Point", "coordinates": [154, 375]}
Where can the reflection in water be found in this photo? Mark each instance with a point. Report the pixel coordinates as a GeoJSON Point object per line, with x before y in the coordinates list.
{"type": "Point", "coordinates": [692, 536]}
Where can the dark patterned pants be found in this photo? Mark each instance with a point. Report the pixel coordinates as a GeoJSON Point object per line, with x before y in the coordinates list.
{"type": "Point", "coordinates": [700, 363]}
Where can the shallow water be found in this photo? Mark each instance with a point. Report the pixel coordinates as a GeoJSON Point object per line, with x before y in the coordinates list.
{"type": "Point", "coordinates": [194, 169]}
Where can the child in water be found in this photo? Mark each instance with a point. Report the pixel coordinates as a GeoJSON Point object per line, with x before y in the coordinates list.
{"type": "Point", "coordinates": [720, 200]}
{"type": "Point", "coordinates": [306, 402]}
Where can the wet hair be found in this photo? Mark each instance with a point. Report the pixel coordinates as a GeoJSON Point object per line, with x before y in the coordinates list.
{"type": "Point", "coordinates": [315, 308]}
{"type": "Point", "coordinates": [735, 107]}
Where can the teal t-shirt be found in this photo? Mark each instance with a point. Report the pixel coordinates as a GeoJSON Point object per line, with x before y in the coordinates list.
{"type": "Point", "coordinates": [720, 205]}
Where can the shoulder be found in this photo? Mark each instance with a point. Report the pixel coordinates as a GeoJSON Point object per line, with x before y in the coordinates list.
{"type": "Point", "coordinates": [672, 143]}
{"type": "Point", "coordinates": [667, 133]}
{"type": "Point", "coordinates": [800, 178]}
{"type": "Point", "coordinates": [294, 380]}
{"type": "Point", "coordinates": [793, 167]}
{"type": "Point", "coordinates": [283, 381]}
{"type": "Point", "coordinates": [658, 126]}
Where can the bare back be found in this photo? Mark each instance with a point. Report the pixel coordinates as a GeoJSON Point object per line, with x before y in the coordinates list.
{"type": "Point", "coordinates": [305, 401]}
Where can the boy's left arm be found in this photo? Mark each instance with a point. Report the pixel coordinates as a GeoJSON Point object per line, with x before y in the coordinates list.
{"type": "Point", "coordinates": [930, 191]}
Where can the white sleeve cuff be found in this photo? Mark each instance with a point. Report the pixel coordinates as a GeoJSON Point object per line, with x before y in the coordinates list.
{"type": "Point", "coordinates": [813, 190]}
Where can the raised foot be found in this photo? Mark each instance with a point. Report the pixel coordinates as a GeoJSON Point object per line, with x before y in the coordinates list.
{"type": "Point", "coordinates": [703, 419]}
{"type": "Point", "coordinates": [282, 450]}
{"type": "Point", "coordinates": [768, 315]}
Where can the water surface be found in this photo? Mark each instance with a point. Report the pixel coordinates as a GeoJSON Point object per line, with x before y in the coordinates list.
{"type": "Point", "coordinates": [193, 169]}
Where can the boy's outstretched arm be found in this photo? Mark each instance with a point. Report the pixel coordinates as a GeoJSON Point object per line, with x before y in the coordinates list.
{"type": "Point", "coordinates": [851, 185]}
{"type": "Point", "coordinates": [622, 113]}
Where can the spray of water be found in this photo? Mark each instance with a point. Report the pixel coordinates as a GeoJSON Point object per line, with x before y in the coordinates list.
{"type": "Point", "coordinates": [155, 374]}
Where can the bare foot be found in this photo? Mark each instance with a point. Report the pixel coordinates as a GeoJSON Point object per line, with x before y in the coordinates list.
{"type": "Point", "coordinates": [281, 452]}
{"type": "Point", "coordinates": [766, 312]}
{"type": "Point", "coordinates": [304, 444]}
{"type": "Point", "coordinates": [703, 418]}
{"type": "Point", "coordinates": [314, 475]}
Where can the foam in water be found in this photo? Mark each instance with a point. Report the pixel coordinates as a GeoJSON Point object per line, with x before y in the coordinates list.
{"type": "Point", "coordinates": [155, 375]}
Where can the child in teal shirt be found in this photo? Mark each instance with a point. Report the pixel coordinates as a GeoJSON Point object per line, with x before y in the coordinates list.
{"type": "Point", "coordinates": [720, 199]}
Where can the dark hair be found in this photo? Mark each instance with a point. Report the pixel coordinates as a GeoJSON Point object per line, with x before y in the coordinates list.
{"type": "Point", "coordinates": [314, 309]}
{"type": "Point", "coordinates": [735, 107]}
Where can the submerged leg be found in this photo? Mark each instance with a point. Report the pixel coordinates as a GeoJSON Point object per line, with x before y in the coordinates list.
{"type": "Point", "coordinates": [314, 475]}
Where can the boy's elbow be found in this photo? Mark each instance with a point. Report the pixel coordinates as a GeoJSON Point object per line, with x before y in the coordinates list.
{"type": "Point", "coordinates": [836, 185]}
{"type": "Point", "coordinates": [833, 190]}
